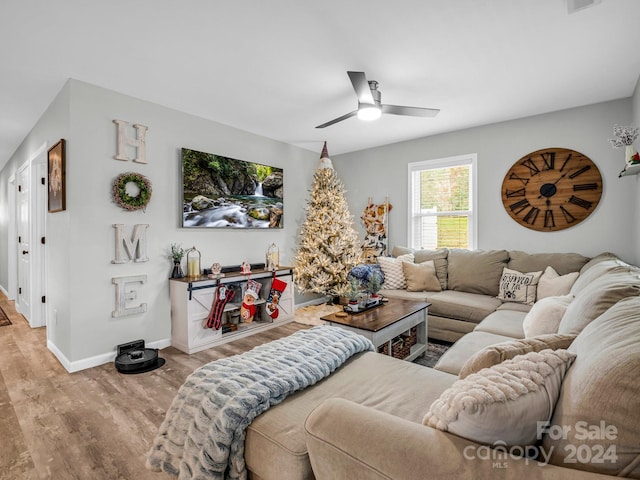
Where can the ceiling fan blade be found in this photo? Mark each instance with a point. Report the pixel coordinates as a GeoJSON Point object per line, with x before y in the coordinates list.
{"type": "Point", "coordinates": [410, 111]}
{"type": "Point", "coordinates": [339, 119]}
{"type": "Point", "coordinates": [361, 86]}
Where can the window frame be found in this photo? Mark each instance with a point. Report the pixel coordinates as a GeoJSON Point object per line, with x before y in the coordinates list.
{"type": "Point", "coordinates": [470, 159]}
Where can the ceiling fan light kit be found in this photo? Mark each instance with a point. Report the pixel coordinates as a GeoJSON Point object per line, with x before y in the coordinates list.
{"type": "Point", "coordinates": [369, 112]}
{"type": "Point", "coordinates": [370, 106]}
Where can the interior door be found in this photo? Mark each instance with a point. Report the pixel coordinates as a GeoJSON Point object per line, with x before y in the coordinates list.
{"type": "Point", "coordinates": [23, 304]}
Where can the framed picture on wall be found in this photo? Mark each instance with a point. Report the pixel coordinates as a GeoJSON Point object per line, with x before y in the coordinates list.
{"type": "Point", "coordinates": [57, 181]}
{"type": "Point", "coordinates": [224, 192]}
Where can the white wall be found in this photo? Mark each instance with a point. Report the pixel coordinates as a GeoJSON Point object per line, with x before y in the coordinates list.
{"type": "Point", "coordinates": [82, 238]}
{"type": "Point", "coordinates": [636, 210]}
{"type": "Point", "coordinates": [611, 227]}
{"type": "Point", "coordinates": [52, 126]}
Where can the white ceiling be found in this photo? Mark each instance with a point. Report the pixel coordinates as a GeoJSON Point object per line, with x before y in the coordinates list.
{"type": "Point", "coordinates": [277, 68]}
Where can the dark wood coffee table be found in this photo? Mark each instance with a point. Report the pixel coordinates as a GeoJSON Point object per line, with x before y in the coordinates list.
{"type": "Point", "coordinates": [384, 323]}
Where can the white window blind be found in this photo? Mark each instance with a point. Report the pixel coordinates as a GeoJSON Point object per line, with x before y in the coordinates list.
{"type": "Point", "coordinates": [441, 203]}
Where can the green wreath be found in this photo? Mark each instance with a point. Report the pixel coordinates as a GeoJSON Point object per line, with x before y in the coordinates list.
{"type": "Point", "coordinates": [126, 201]}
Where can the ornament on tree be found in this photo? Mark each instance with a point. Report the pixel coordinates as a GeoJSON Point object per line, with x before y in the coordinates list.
{"type": "Point", "coordinates": [248, 308]}
{"type": "Point", "coordinates": [328, 248]}
{"type": "Point", "coordinates": [277, 287]}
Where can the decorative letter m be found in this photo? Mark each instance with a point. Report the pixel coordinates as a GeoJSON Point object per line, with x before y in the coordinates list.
{"type": "Point", "coordinates": [135, 248]}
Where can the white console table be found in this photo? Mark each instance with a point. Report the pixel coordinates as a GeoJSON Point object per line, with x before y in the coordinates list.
{"type": "Point", "coordinates": [191, 300]}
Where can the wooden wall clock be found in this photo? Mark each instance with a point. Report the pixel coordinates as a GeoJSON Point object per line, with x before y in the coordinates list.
{"type": "Point", "coordinates": [551, 189]}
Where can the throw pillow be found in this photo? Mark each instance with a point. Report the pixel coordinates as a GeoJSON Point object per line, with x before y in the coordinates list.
{"type": "Point", "coordinates": [552, 284]}
{"type": "Point", "coordinates": [476, 271]}
{"type": "Point", "coordinates": [504, 403]}
{"type": "Point", "coordinates": [421, 277]}
{"type": "Point", "coordinates": [438, 256]}
{"type": "Point", "coordinates": [545, 315]}
{"type": "Point", "coordinates": [498, 353]}
{"type": "Point", "coordinates": [598, 296]}
{"type": "Point", "coordinates": [518, 287]}
{"type": "Point", "coordinates": [392, 270]}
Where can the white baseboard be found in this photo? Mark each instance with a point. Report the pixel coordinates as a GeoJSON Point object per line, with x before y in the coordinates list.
{"type": "Point", "coordinates": [4, 291]}
{"type": "Point", "coordinates": [59, 355]}
{"type": "Point", "coordinates": [96, 360]}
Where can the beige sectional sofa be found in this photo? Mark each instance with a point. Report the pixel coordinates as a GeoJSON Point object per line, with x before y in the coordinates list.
{"type": "Point", "coordinates": [470, 284]}
{"type": "Point", "coordinates": [365, 421]}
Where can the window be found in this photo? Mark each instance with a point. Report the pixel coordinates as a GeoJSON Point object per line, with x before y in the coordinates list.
{"type": "Point", "coordinates": [442, 199]}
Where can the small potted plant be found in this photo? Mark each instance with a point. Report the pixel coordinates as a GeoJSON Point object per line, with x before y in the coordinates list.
{"type": "Point", "coordinates": [177, 253]}
{"type": "Point", "coordinates": [352, 292]}
{"type": "Point", "coordinates": [374, 285]}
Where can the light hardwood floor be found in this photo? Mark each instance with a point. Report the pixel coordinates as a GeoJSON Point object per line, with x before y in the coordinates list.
{"type": "Point", "coordinates": [94, 424]}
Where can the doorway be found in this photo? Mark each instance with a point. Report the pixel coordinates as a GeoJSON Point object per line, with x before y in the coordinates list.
{"type": "Point", "coordinates": [30, 254]}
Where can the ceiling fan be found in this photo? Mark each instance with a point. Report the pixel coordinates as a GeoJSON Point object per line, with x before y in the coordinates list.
{"type": "Point", "coordinates": [369, 105]}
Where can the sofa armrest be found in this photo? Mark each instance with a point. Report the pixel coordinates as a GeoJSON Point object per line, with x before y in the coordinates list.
{"type": "Point", "coordinates": [347, 440]}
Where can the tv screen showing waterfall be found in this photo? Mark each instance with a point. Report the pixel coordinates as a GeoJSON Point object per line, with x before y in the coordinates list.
{"type": "Point", "coordinates": [223, 192]}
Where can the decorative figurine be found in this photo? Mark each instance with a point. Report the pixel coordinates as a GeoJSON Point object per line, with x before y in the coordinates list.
{"type": "Point", "coordinates": [273, 258]}
{"type": "Point", "coordinates": [245, 269]}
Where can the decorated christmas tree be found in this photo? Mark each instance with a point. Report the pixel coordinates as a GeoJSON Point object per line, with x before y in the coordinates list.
{"type": "Point", "coordinates": [329, 246]}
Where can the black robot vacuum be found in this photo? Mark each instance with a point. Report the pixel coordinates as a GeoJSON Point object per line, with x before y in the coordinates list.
{"type": "Point", "coordinates": [133, 357]}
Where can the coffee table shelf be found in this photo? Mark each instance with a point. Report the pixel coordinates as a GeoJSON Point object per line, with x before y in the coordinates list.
{"type": "Point", "coordinates": [381, 325]}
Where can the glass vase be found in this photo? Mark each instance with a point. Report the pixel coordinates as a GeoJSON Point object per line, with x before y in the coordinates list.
{"type": "Point", "coordinates": [177, 270]}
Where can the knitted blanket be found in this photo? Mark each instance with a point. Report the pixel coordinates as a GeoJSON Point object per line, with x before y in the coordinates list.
{"type": "Point", "coordinates": [203, 433]}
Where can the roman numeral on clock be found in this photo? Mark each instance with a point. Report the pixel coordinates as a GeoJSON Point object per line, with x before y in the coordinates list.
{"type": "Point", "coordinates": [519, 206]}
{"type": "Point", "coordinates": [530, 164]}
{"type": "Point", "coordinates": [549, 221]}
{"type": "Point", "coordinates": [580, 172]}
{"type": "Point", "coordinates": [566, 160]}
{"type": "Point", "coordinates": [531, 215]}
{"type": "Point", "coordinates": [549, 160]}
{"type": "Point", "coordinates": [567, 215]}
{"type": "Point", "coordinates": [513, 176]}
{"type": "Point", "coordinates": [515, 193]}
{"type": "Point", "coordinates": [585, 186]}
{"type": "Point", "coordinates": [580, 202]}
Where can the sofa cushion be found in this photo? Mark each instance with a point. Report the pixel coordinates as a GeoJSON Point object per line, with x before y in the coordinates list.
{"type": "Point", "coordinates": [516, 307]}
{"type": "Point", "coordinates": [602, 391]}
{"type": "Point", "coordinates": [438, 256]}
{"type": "Point", "coordinates": [476, 271]}
{"type": "Point", "coordinates": [402, 294]}
{"type": "Point", "coordinates": [545, 316]}
{"type": "Point", "coordinates": [598, 296]}
{"type": "Point", "coordinates": [421, 277]}
{"type": "Point", "coordinates": [597, 259]}
{"type": "Point", "coordinates": [518, 287]}
{"type": "Point", "coordinates": [497, 353]}
{"type": "Point", "coordinates": [503, 322]}
{"type": "Point", "coordinates": [552, 284]}
{"type": "Point", "coordinates": [275, 444]}
{"type": "Point", "coordinates": [596, 271]}
{"type": "Point", "coordinates": [531, 262]}
{"type": "Point", "coordinates": [392, 270]}
{"type": "Point", "coordinates": [503, 403]}
{"type": "Point", "coordinates": [460, 352]}
{"type": "Point", "coordinates": [471, 307]}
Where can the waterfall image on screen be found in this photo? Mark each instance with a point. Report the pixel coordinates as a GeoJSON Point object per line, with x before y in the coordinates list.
{"type": "Point", "coordinates": [223, 192]}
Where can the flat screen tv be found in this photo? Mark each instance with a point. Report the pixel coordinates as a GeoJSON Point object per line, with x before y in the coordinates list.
{"type": "Point", "coordinates": [223, 192]}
